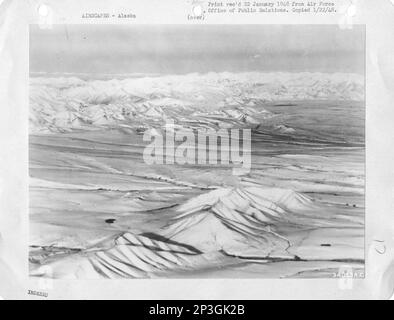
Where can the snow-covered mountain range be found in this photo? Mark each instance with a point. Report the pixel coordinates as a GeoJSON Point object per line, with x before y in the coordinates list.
{"type": "Point", "coordinates": [62, 104]}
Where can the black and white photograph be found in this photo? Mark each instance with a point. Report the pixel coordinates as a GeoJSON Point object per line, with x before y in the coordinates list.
{"type": "Point", "coordinates": [196, 151]}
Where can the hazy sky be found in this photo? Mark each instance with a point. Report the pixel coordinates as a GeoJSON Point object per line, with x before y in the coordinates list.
{"type": "Point", "coordinates": [195, 48]}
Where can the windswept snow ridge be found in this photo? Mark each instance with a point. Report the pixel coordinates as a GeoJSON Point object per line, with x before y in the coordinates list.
{"type": "Point", "coordinates": [238, 220]}
{"type": "Point", "coordinates": [127, 256]}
